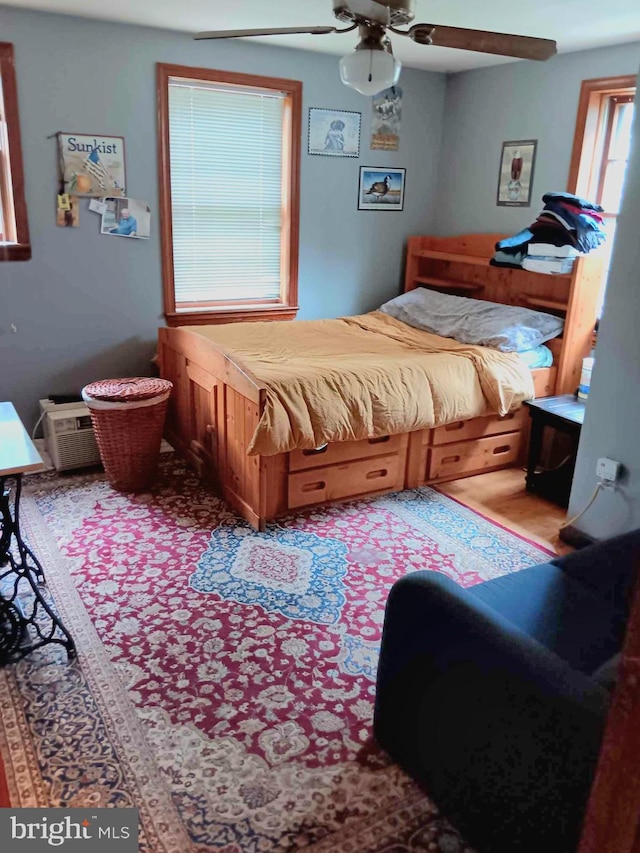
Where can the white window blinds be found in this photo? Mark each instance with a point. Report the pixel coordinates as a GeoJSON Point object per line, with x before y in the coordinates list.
{"type": "Point", "coordinates": [226, 149]}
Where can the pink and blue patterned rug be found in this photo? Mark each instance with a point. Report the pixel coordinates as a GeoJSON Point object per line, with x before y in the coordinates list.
{"type": "Point", "coordinates": [226, 678]}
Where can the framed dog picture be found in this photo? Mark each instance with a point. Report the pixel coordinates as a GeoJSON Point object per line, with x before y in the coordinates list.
{"type": "Point", "coordinates": [334, 133]}
{"type": "Point", "coordinates": [381, 189]}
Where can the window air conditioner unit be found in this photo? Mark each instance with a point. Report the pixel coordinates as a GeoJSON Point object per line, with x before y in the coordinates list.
{"type": "Point", "coordinates": [68, 435]}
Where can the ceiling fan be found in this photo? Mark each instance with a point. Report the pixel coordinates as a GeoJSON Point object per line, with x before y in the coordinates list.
{"type": "Point", "coordinates": [373, 67]}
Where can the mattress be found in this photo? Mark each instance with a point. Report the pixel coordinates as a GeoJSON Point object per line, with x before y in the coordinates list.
{"type": "Point", "coordinates": [364, 377]}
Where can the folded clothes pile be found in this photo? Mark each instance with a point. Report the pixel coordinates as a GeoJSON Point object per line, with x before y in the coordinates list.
{"type": "Point", "coordinates": [567, 227]}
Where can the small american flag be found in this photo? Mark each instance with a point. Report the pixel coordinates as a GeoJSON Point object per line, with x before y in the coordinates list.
{"type": "Point", "coordinates": [93, 164]}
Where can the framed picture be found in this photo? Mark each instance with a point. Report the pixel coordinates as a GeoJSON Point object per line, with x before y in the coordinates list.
{"type": "Point", "coordinates": [386, 112]}
{"type": "Point", "coordinates": [92, 165]}
{"type": "Point", "coordinates": [334, 133]}
{"type": "Point", "coordinates": [126, 217]}
{"type": "Point", "coordinates": [381, 188]}
{"type": "Point", "coordinates": [516, 173]}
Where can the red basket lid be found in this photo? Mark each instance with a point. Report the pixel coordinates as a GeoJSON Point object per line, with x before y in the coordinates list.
{"type": "Point", "coordinates": [127, 390]}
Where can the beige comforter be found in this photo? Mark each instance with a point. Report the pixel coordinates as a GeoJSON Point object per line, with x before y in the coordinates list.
{"type": "Point", "coordinates": [365, 376]}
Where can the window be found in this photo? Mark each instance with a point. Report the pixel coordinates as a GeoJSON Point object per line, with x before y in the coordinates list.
{"type": "Point", "coordinates": [229, 161]}
{"type": "Point", "coordinates": [601, 151]}
{"type": "Point", "coordinates": [610, 171]}
{"type": "Point", "coordinates": [14, 228]}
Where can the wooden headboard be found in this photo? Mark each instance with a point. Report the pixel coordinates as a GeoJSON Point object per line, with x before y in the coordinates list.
{"type": "Point", "coordinates": [460, 265]}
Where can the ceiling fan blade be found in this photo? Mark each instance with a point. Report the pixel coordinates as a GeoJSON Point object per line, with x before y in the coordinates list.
{"type": "Point", "coordinates": [280, 31]}
{"type": "Point", "coordinates": [503, 44]}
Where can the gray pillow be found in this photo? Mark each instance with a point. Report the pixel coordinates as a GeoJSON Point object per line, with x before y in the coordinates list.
{"type": "Point", "coordinates": [509, 328]}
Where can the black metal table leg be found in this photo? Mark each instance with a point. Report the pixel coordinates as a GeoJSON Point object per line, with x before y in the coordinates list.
{"type": "Point", "coordinates": [11, 527]}
{"type": "Point", "coordinates": [27, 620]}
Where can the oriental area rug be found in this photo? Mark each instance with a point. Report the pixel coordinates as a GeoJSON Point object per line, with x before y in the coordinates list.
{"type": "Point", "coordinates": [225, 678]}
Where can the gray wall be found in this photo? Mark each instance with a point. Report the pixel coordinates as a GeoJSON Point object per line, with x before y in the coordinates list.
{"type": "Point", "coordinates": [612, 423]}
{"type": "Point", "coordinates": [88, 306]}
{"type": "Point", "coordinates": [523, 100]}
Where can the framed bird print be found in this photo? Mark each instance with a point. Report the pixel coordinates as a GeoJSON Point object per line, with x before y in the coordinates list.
{"type": "Point", "coordinates": [381, 188]}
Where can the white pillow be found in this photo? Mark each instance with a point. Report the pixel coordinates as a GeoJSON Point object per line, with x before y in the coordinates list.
{"type": "Point", "coordinates": [509, 328]}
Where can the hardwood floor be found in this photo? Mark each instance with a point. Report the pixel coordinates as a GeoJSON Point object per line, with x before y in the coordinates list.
{"type": "Point", "coordinates": [501, 496]}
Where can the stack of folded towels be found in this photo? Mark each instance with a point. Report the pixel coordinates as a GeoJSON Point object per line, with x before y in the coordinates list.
{"type": "Point", "coordinates": [568, 226]}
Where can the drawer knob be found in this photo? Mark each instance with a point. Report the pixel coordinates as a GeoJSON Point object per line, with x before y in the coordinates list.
{"type": "Point", "coordinates": [382, 440]}
{"type": "Point", "coordinates": [316, 450]}
{"type": "Point", "coordinates": [314, 487]}
{"type": "Point", "coordinates": [376, 475]}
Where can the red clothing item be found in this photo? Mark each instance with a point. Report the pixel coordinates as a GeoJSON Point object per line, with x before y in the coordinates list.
{"type": "Point", "coordinates": [583, 210]}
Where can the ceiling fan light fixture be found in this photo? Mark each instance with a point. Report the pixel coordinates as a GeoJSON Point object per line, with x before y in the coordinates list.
{"type": "Point", "coordinates": [370, 68]}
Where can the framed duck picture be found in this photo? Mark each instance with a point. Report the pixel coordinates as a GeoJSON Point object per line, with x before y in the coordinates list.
{"type": "Point", "coordinates": [381, 188]}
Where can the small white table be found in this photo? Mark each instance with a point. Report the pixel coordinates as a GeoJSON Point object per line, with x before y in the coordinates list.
{"type": "Point", "coordinates": [23, 626]}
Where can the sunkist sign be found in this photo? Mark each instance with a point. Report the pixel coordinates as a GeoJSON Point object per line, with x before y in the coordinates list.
{"type": "Point", "coordinates": [92, 165]}
{"type": "Point", "coordinates": [75, 143]}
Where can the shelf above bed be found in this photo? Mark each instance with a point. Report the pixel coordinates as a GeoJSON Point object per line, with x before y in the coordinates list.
{"type": "Point", "coordinates": [453, 256]}
{"type": "Point", "coordinates": [448, 283]}
{"type": "Point", "coordinates": [540, 302]}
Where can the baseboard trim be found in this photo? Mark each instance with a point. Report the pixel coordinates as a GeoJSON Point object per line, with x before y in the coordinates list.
{"type": "Point", "coordinates": [572, 536]}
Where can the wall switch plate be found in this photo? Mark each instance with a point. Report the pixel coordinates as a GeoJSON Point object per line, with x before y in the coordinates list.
{"type": "Point", "coordinates": [608, 469]}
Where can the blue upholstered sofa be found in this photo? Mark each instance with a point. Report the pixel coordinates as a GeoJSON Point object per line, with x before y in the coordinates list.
{"type": "Point", "coordinates": [495, 697]}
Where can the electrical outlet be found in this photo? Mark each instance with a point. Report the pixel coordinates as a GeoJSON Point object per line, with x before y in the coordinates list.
{"type": "Point", "coordinates": [608, 469]}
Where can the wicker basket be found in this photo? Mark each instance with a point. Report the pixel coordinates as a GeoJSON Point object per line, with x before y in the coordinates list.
{"type": "Point", "coordinates": [128, 419]}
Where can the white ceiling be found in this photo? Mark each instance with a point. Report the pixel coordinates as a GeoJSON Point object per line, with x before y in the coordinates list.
{"type": "Point", "coordinates": [574, 24]}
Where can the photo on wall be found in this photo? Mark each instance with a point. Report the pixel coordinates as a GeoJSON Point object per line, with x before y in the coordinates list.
{"type": "Point", "coordinates": [334, 133]}
{"type": "Point", "coordinates": [126, 217]}
{"type": "Point", "coordinates": [381, 189]}
{"type": "Point", "coordinates": [68, 211]}
{"type": "Point", "coordinates": [516, 173]}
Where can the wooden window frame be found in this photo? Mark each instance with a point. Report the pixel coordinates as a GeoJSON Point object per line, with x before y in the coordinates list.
{"type": "Point", "coordinates": [591, 140]}
{"type": "Point", "coordinates": [286, 307]}
{"type": "Point", "coordinates": [588, 138]}
{"type": "Point", "coordinates": [612, 101]}
{"type": "Point", "coordinates": [14, 205]}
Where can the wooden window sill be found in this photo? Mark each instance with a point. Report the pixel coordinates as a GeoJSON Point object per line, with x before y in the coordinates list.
{"type": "Point", "coordinates": [15, 252]}
{"type": "Point", "coordinates": [231, 315]}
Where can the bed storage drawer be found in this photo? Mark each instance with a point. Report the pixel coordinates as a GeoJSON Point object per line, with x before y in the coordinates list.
{"type": "Point", "coordinates": [359, 477]}
{"type": "Point", "coordinates": [342, 451]}
{"type": "Point", "coordinates": [479, 427]}
{"type": "Point", "coordinates": [463, 457]}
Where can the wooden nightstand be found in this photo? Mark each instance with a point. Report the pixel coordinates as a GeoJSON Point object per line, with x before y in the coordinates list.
{"type": "Point", "coordinates": [564, 413]}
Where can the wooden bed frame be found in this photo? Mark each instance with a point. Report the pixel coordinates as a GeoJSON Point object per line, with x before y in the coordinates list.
{"type": "Point", "coordinates": [216, 403]}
